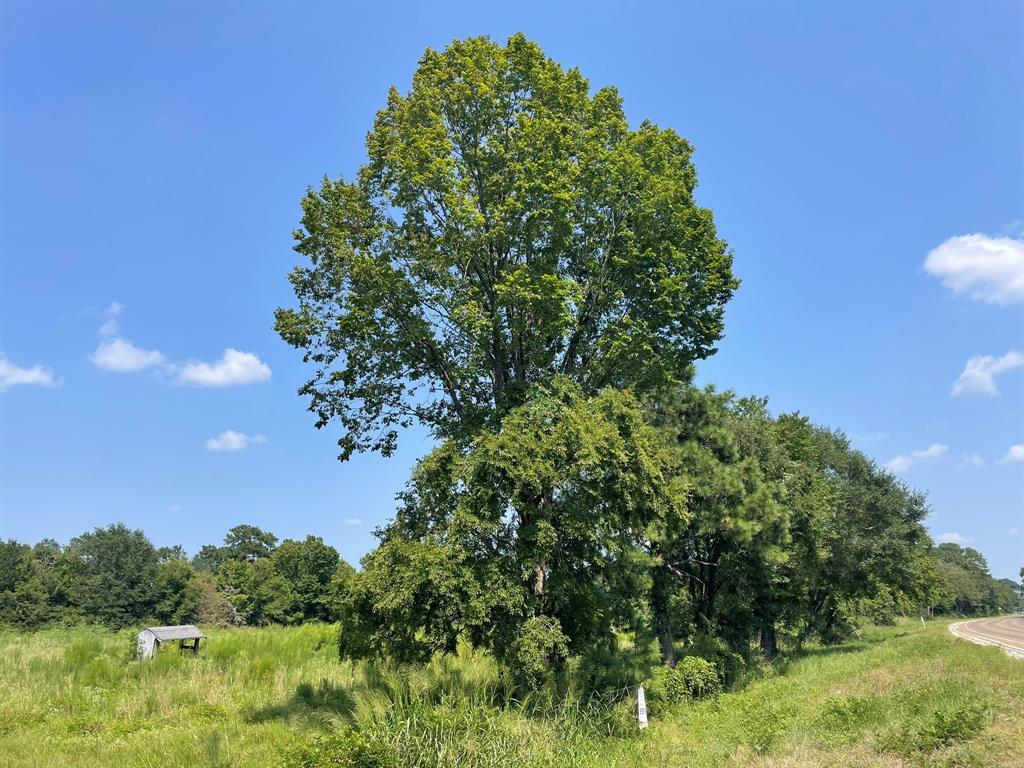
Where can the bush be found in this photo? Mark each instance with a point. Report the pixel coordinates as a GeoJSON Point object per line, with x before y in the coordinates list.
{"type": "Point", "coordinates": [951, 724]}
{"type": "Point", "coordinates": [731, 666]}
{"type": "Point", "coordinates": [937, 728]}
{"type": "Point", "coordinates": [692, 678]}
{"type": "Point", "coordinates": [347, 749]}
{"type": "Point", "coordinates": [700, 677]}
{"type": "Point", "coordinates": [540, 652]}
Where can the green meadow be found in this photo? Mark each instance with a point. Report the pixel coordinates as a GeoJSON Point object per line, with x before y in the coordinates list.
{"type": "Point", "coordinates": [894, 696]}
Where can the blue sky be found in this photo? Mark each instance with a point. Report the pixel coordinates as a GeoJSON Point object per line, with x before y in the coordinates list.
{"type": "Point", "coordinates": [865, 162]}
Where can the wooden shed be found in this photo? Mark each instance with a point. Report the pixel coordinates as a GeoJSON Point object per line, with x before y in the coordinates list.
{"type": "Point", "coordinates": [150, 639]}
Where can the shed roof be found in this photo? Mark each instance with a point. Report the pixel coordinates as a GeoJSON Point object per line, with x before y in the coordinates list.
{"type": "Point", "coordinates": [181, 632]}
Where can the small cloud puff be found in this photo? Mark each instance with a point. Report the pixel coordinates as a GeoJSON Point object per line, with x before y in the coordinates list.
{"type": "Point", "coordinates": [989, 269]}
{"type": "Point", "coordinates": [229, 440]}
{"type": "Point", "coordinates": [1014, 453]}
{"type": "Point", "coordinates": [978, 376]}
{"type": "Point", "coordinates": [121, 356]}
{"type": "Point", "coordinates": [234, 368]}
{"type": "Point", "coordinates": [109, 328]}
{"type": "Point", "coordinates": [12, 375]}
{"type": "Point", "coordinates": [905, 461]}
{"type": "Point", "coordinates": [971, 460]}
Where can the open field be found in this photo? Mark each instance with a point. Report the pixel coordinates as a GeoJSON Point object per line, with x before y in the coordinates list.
{"type": "Point", "coordinates": [898, 696]}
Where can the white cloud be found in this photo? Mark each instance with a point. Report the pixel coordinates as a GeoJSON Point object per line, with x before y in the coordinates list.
{"type": "Point", "coordinates": [978, 377]}
{"type": "Point", "coordinates": [990, 269]}
{"type": "Point", "coordinates": [109, 328]}
{"type": "Point", "coordinates": [971, 460]}
{"type": "Point", "coordinates": [1014, 453]}
{"type": "Point", "coordinates": [174, 507]}
{"type": "Point", "coordinates": [116, 353]}
{"type": "Point", "coordinates": [233, 369]}
{"type": "Point", "coordinates": [121, 356]}
{"type": "Point", "coordinates": [905, 461]}
{"type": "Point", "coordinates": [12, 375]}
{"type": "Point", "coordinates": [353, 521]}
{"type": "Point", "coordinates": [952, 537]}
{"type": "Point", "coordinates": [1013, 532]}
{"type": "Point", "coordinates": [229, 440]}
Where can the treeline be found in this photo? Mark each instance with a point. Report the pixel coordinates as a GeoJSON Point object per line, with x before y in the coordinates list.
{"type": "Point", "coordinates": [116, 577]}
{"type": "Point", "coordinates": [780, 539]}
{"type": "Point", "coordinates": [966, 588]}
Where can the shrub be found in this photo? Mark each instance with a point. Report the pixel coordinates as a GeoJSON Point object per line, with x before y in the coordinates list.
{"type": "Point", "coordinates": [950, 724]}
{"type": "Point", "coordinates": [540, 652]}
{"type": "Point", "coordinates": [692, 678]}
{"type": "Point", "coordinates": [937, 728]}
{"type": "Point", "coordinates": [731, 665]}
{"type": "Point", "coordinates": [700, 677]}
{"type": "Point", "coordinates": [347, 749]}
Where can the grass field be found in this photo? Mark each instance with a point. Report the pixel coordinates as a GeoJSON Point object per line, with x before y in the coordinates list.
{"type": "Point", "coordinates": [898, 696]}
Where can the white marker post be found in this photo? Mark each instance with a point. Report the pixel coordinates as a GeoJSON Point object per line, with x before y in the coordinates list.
{"type": "Point", "coordinates": [641, 707]}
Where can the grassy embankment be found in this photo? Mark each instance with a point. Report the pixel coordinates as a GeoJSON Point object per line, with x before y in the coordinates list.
{"type": "Point", "coordinates": [263, 697]}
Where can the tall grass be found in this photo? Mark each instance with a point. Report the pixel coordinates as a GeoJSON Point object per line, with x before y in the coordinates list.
{"type": "Point", "coordinates": [280, 697]}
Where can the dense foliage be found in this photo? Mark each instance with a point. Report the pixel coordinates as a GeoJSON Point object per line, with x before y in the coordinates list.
{"type": "Point", "coordinates": [699, 519]}
{"type": "Point", "coordinates": [116, 577]}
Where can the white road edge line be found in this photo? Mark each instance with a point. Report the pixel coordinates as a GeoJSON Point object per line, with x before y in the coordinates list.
{"type": "Point", "coordinates": [957, 630]}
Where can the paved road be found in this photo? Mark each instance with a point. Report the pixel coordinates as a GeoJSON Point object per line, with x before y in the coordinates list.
{"type": "Point", "coordinates": [1006, 631]}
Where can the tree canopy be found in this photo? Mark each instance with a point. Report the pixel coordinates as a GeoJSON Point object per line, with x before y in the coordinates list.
{"type": "Point", "coordinates": [508, 227]}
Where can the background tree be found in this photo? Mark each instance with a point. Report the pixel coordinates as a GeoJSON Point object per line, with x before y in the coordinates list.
{"type": "Point", "coordinates": [24, 601]}
{"type": "Point", "coordinates": [175, 600]}
{"type": "Point", "coordinates": [249, 543]}
{"type": "Point", "coordinates": [508, 227]}
{"type": "Point", "coordinates": [308, 566]}
{"type": "Point", "coordinates": [115, 573]}
{"type": "Point", "coordinates": [209, 558]}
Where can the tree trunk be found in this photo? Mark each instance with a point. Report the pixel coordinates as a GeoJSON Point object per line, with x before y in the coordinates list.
{"type": "Point", "coordinates": [768, 640]}
{"type": "Point", "coordinates": [539, 578]}
{"type": "Point", "coordinates": [662, 625]}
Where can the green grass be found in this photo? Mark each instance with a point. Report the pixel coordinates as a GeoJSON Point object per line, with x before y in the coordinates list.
{"type": "Point", "coordinates": [898, 696]}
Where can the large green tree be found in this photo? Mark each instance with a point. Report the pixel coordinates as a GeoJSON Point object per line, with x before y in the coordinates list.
{"type": "Point", "coordinates": [509, 226]}
{"type": "Point", "coordinates": [734, 530]}
{"type": "Point", "coordinates": [540, 518]}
